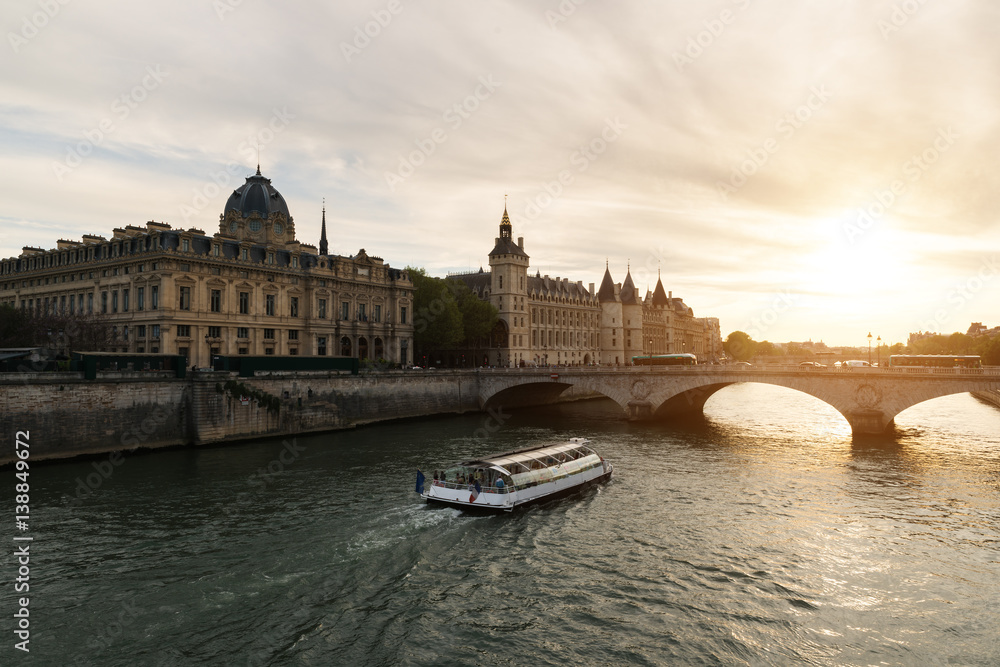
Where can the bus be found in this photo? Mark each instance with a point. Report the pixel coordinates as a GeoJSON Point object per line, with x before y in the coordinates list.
{"type": "Point", "coordinates": [687, 359]}
{"type": "Point", "coordinates": [935, 361]}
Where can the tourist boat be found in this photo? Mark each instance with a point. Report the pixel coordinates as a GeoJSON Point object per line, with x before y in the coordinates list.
{"type": "Point", "coordinates": [505, 481]}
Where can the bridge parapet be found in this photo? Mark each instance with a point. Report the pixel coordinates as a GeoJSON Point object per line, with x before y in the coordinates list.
{"type": "Point", "coordinates": [869, 398]}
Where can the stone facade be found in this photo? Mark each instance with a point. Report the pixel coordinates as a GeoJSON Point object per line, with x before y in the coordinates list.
{"type": "Point", "coordinates": [547, 320]}
{"type": "Point", "coordinates": [251, 288]}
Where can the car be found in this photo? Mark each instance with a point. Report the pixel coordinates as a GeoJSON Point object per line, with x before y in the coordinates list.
{"type": "Point", "coordinates": [855, 363]}
{"type": "Point", "coordinates": [743, 364]}
{"type": "Point", "coordinates": [812, 364]}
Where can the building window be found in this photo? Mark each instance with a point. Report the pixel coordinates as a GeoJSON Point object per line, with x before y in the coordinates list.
{"type": "Point", "coordinates": [155, 349]}
{"type": "Point", "coordinates": [114, 301]}
{"type": "Point", "coordinates": [293, 334]}
{"type": "Point", "coordinates": [140, 331]}
{"type": "Point", "coordinates": [345, 347]}
{"type": "Point", "coordinates": [90, 303]}
{"type": "Point", "coordinates": [154, 297]}
{"type": "Point", "coordinates": [345, 310]}
{"type": "Point", "coordinates": [295, 262]}
{"type": "Point", "coordinates": [402, 315]}
{"type": "Point", "coordinates": [269, 304]}
{"type": "Point", "coordinates": [377, 312]}
{"type": "Point", "coordinates": [185, 298]}
{"type": "Point", "coordinates": [501, 282]}
{"type": "Point", "coordinates": [124, 300]}
{"type": "Point", "coordinates": [293, 306]}
{"type": "Point", "coordinates": [140, 298]}
{"type": "Point", "coordinates": [269, 351]}
{"type": "Point", "coordinates": [215, 249]}
{"type": "Point", "coordinates": [322, 308]}
{"type": "Point", "coordinates": [244, 350]}
{"type": "Point", "coordinates": [156, 333]}
{"type": "Point", "coordinates": [242, 332]}
{"type": "Point", "coordinates": [185, 245]}
{"type": "Point", "coordinates": [183, 330]}
{"type": "Point", "coordinates": [216, 300]}
{"type": "Point", "coordinates": [321, 346]}
{"type": "Point", "coordinates": [270, 258]}
{"type": "Point", "coordinates": [185, 267]}
{"type": "Point", "coordinates": [215, 332]}
{"type": "Point", "coordinates": [243, 254]}
{"type": "Point", "coordinates": [268, 334]}
{"type": "Point", "coordinates": [244, 303]}
{"type": "Point", "coordinates": [293, 351]}
{"type": "Point", "coordinates": [183, 351]}
{"type": "Point", "coordinates": [104, 302]}
{"type": "Point", "coordinates": [362, 315]}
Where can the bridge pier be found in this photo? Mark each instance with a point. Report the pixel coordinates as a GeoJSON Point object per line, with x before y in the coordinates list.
{"type": "Point", "coordinates": [639, 411]}
{"type": "Point", "coordinates": [868, 422]}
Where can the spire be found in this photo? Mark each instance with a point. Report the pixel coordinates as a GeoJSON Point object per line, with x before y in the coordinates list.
{"type": "Point", "coordinates": [607, 291]}
{"type": "Point", "coordinates": [323, 246]}
{"type": "Point", "coordinates": [505, 228]}
{"type": "Point", "coordinates": [629, 295]}
{"type": "Point", "coordinates": [659, 296]}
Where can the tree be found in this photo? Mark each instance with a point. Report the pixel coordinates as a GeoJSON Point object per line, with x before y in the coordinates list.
{"type": "Point", "coordinates": [437, 322]}
{"type": "Point", "coordinates": [478, 316]}
{"type": "Point", "coordinates": [767, 349]}
{"type": "Point", "coordinates": [740, 346]}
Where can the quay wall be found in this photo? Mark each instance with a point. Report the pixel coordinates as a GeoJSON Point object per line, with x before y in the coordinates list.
{"type": "Point", "coordinates": [991, 396]}
{"type": "Point", "coordinates": [67, 416]}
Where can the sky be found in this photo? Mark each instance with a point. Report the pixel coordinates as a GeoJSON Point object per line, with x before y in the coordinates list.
{"type": "Point", "coordinates": [809, 170]}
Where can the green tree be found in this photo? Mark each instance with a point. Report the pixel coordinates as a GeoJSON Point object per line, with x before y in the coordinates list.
{"type": "Point", "coordinates": [478, 316]}
{"type": "Point", "coordinates": [437, 322]}
{"type": "Point", "coordinates": [740, 346]}
{"type": "Point", "coordinates": [767, 349]}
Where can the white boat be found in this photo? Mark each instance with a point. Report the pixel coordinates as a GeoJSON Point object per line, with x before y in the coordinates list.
{"type": "Point", "coordinates": [505, 481]}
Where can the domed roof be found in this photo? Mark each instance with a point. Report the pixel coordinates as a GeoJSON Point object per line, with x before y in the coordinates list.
{"type": "Point", "coordinates": [257, 194]}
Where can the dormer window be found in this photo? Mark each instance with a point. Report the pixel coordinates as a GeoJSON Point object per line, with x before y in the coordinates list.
{"type": "Point", "coordinates": [185, 245]}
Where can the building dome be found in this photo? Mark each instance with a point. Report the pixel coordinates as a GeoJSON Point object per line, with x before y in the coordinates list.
{"type": "Point", "coordinates": [256, 195]}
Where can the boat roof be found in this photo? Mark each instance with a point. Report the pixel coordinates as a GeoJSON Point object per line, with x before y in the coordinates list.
{"type": "Point", "coordinates": [532, 454]}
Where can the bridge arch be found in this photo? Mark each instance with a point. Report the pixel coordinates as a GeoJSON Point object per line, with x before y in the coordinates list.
{"type": "Point", "coordinates": [869, 399]}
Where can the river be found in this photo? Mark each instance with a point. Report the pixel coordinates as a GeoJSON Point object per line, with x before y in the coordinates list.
{"type": "Point", "coordinates": [763, 535]}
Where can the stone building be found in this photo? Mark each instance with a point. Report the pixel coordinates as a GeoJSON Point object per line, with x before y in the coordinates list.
{"type": "Point", "coordinates": [547, 320]}
{"type": "Point", "coordinates": [251, 288]}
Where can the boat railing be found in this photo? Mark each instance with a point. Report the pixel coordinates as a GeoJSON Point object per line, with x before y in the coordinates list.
{"type": "Point", "coordinates": [465, 486]}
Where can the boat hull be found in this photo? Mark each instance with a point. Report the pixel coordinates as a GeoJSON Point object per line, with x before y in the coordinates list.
{"type": "Point", "coordinates": [542, 493]}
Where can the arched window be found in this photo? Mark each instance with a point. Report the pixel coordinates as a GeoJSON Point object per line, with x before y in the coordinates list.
{"type": "Point", "coordinates": [345, 347]}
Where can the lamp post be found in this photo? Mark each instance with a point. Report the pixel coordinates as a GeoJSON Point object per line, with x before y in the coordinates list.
{"type": "Point", "coordinates": [650, 355]}
{"type": "Point", "coordinates": [878, 348]}
{"type": "Point", "coordinates": [869, 348]}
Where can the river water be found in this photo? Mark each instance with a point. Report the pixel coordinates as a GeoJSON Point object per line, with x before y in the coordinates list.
{"type": "Point", "coordinates": [765, 535]}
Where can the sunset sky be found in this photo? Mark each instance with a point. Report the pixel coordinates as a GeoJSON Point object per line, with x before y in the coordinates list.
{"type": "Point", "coordinates": [800, 170]}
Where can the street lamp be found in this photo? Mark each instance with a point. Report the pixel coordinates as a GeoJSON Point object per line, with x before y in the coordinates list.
{"type": "Point", "coordinates": [878, 347]}
{"type": "Point", "coordinates": [869, 348]}
{"type": "Point", "coordinates": [650, 355]}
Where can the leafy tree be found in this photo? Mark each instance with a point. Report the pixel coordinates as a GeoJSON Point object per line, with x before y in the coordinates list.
{"type": "Point", "coordinates": [767, 349]}
{"type": "Point", "coordinates": [478, 316]}
{"type": "Point", "coordinates": [740, 346]}
{"type": "Point", "coordinates": [61, 333]}
{"type": "Point", "coordinates": [437, 322]}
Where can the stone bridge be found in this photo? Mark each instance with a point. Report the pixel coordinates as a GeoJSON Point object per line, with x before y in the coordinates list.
{"type": "Point", "coordinates": [869, 398]}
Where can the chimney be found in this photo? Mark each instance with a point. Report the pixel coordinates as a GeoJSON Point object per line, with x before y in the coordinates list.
{"type": "Point", "coordinates": [520, 242]}
{"type": "Point", "coordinates": [591, 289]}
{"type": "Point", "coordinates": [670, 294]}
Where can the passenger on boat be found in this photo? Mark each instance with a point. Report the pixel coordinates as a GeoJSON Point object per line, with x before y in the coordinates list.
{"type": "Point", "coordinates": [500, 483]}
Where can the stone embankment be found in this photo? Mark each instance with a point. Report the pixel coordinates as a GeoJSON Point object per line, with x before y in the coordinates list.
{"type": "Point", "coordinates": [123, 411]}
{"type": "Point", "coordinates": [989, 396]}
